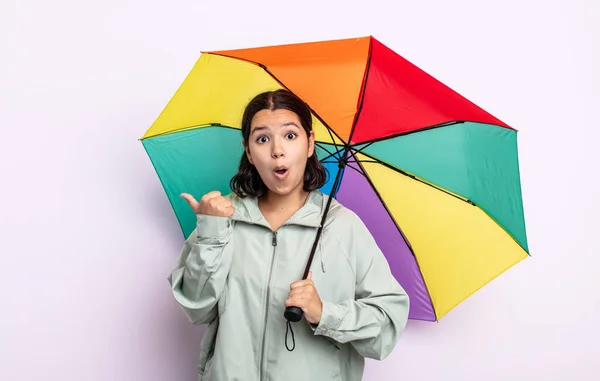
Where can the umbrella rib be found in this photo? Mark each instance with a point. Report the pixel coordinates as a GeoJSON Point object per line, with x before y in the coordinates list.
{"type": "Point", "coordinates": [264, 67]}
{"type": "Point", "coordinates": [330, 155]}
{"type": "Point", "coordinates": [364, 147]}
{"type": "Point", "coordinates": [364, 172]}
{"type": "Point", "coordinates": [440, 125]}
{"type": "Point", "coordinates": [389, 166]}
{"type": "Point", "coordinates": [325, 160]}
{"type": "Point", "coordinates": [365, 161]}
{"type": "Point", "coordinates": [318, 144]}
{"type": "Point", "coordinates": [461, 198]}
{"type": "Point", "coordinates": [197, 126]}
{"type": "Point", "coordinates": [362, 91]}
{"type": "Point", "coordinates": [330, 133]}
{"type": "Point", "coordinates": [322, 146]}
{"type": "Point", "coordinates": [402, 172]}
{"type": "Point", "coordinates": [356, 169]}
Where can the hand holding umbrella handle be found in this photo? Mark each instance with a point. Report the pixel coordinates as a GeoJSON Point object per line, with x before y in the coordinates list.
{"type": "Point", "coordinates": [294, 314]}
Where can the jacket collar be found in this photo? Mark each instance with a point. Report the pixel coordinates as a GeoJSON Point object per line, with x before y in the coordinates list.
{"type": "Point", "coordinates": [310, 214]}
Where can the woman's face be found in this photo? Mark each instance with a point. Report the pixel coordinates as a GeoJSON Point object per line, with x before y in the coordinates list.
{"type": "Point", "coordinates": [279, 148]}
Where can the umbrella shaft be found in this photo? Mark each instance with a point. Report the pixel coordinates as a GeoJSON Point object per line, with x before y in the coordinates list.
{"type": "Point", "coordinates": [342, 163]}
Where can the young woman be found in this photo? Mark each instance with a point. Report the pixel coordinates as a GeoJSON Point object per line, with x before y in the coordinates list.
{"type": "Point", "coordinates": [243, 264]}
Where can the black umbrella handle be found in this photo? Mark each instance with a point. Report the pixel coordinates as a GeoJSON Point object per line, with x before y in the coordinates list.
{"type": "Point", "coordinates": [293, 314]}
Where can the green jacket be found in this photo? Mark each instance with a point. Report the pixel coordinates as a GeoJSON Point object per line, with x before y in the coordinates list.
{"type": "Point", "coordinates": [234, 274]}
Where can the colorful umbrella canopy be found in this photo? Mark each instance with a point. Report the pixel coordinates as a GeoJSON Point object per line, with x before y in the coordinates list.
{"type": "Point", "coordinates": [434, 177]}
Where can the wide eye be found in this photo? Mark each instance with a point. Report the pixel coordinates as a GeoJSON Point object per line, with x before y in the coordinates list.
{"type": "Point", "coordinates": [291, 135]}
{"type": "Point", "coordinates": [262, 139]}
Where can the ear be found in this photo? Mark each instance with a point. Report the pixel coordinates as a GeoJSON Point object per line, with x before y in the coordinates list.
{"type": "Point", "coordinates": [247, 150]}
{"type": "Point", "coordinates": [311, 143]}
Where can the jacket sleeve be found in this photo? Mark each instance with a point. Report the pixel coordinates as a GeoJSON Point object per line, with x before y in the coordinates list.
{"type": "Point", "coordinates": [374, 320]}
{"type": "Point", "coordinates": [199, 276]}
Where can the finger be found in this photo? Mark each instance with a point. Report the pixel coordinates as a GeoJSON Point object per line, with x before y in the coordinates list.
{"type": "Point", "coordinates": [224, 208]}
{"type": "Point", "coordinates": [299, 290]}
{"type": "Point", "coordinates": [190, 199]}
{"type": "Point", "coordinates": [211, 195]}
{"type": "Point", "coordinates": [302, 283]}
{"type": "Point", "coordinates": [295, 302]}
{"type": "Point", "coordinates": [289, 303]}
{"type": "Point", "coordinates": [309, 275]}
{"type": "Point", "coordinates": [220, 203]}
{"type": "Point", "coordinates": [303, 292]}
{"type": "Point", "coordinates": [297, 284]}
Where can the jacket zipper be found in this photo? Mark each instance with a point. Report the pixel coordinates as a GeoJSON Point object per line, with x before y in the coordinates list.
{"type": "Point", "coordinates": [264, 336]}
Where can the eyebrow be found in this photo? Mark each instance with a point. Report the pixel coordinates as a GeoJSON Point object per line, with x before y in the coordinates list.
{"type": "Point", "coordinates": [261, 127]}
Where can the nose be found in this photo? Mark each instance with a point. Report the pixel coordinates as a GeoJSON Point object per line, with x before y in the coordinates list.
{"type": "Point", "coordinates": [277, 150]}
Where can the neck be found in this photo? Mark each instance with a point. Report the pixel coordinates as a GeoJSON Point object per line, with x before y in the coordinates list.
{"type": "Point", "coordinates": [292, 201]}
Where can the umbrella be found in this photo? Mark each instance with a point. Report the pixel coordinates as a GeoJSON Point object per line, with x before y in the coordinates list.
{"type": "Point", "coordinates": [434, 177]}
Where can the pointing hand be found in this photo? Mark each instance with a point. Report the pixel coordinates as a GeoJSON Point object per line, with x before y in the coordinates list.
{"type": "Point", "coordinates": [212, 204]}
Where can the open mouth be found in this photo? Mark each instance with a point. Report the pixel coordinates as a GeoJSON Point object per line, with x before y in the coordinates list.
{"type": "Point", "coordinates": [280, 171]}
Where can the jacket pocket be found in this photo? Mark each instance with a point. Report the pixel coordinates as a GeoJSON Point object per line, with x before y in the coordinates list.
{"type": "Point", "coordinates": [334, 343]}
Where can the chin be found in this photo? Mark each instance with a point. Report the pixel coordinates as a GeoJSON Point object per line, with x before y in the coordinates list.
{"type": "Point", "coordinates": [284, 190]}
{"type": "Point", "coordinates": [280, 191]}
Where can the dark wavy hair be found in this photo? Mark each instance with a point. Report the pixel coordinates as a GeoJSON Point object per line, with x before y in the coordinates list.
{"type": "Point", "coordinates": [247, 181]}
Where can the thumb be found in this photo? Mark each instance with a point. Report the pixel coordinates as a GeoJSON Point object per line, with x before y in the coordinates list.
{"type": "Point", "coordinates": [190, 199]}
{"type": "Point", "coordinates": [309, 275]}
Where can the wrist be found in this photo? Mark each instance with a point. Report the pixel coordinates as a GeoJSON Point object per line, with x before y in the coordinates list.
{"type": "Point", "coordinates": [316, 318]}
